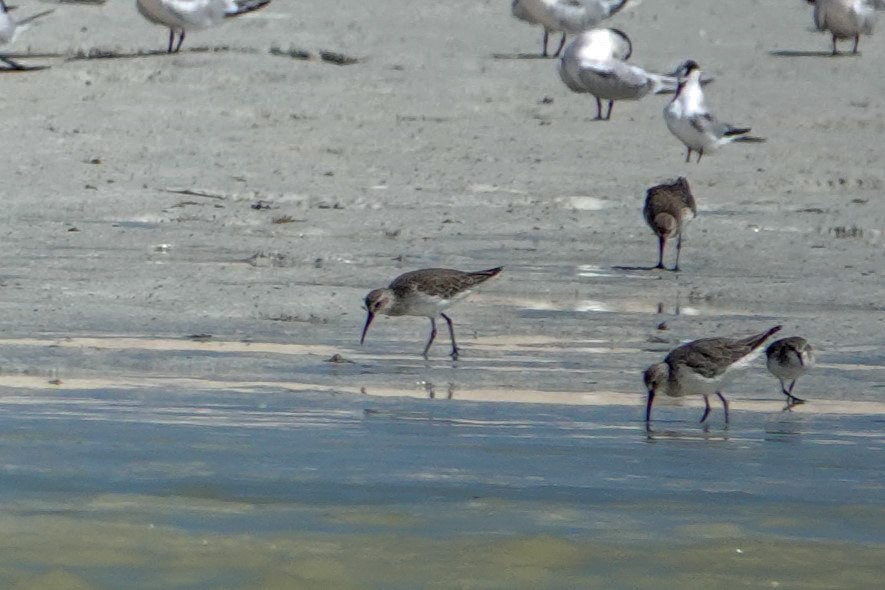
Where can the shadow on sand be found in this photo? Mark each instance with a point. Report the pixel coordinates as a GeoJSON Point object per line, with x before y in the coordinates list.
{"type": "Point", "coordinates": [796, 53]}
{"type": "Point", "coordinates": [521, 56]}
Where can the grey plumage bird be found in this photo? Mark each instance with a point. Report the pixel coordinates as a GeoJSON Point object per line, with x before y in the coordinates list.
{"type": "Point", "coordinates": [702, 367]}
{"type": "Point", "coordinates": [668, 209]}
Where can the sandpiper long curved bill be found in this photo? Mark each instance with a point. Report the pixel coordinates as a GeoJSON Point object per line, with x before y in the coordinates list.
{"type": "Point", "coordinates": [186, 15]}
{"type": "Point", "coordinates": [702, 368]}
{"type": "Point", "coordinates": [425, 293]}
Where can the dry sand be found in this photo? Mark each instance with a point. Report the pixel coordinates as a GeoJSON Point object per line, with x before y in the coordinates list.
{"type": "Point", "coordinates": [432, 150]}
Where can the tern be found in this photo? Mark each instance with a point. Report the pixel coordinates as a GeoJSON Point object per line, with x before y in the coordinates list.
{"type": "Point", "coordinates": [565, 16]}
{"type": "Point", "coordinates": [689, 120]}
{"type": "Point", "coordinates": [185, 15]}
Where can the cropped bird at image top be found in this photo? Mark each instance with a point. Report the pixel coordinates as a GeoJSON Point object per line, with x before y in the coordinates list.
{"type": "Point", "coordinates": [425, 293]}
{"type": "Point", "coordinates": [565, 16]}
{"type": "Point", "coordinates": [689, 120]}
{"type": "Point", "coordinates": [846, 19]}
{"type": "Point", "coordinates": [186, 15]}
{"type": "Point", "coordinates": [9, 30]}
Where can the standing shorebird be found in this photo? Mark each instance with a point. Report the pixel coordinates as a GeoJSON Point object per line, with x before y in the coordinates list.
{"type": "Point", "coordinates": [789, 359]}
{"type": "Point", "coordinates": [9, 30]}
{"type": "Point", "coordinates": [595, 63]}
{"type": "Point", "coordinates": [701, 368]}
{"type": "Point", "coordinates": [425, 293]}
{"type": "Point", "coordinates": [565, 16]}
{"type": "Point", "coordinates": [668, 209]}
{"type": "Point", "coordinates": [185, 15]}
{"type": "Point", "coordinates": [689, 120]}
{"type": "Point", "coordinates": [520, 12]}
{"type": "Point", "coordinates": [846, 19]}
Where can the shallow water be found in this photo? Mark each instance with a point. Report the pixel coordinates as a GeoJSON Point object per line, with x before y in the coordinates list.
{"type": "Point", "coordinates": [112, 488]}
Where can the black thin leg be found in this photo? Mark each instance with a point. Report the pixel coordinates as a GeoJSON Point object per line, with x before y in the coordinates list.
{"type": "Point", "coordinates": [661, 241]}
{"type": "Point", "coordinates": [430, 340]}
{"type": "Point", "coordinates": [688, 156]}
{"type": "Point", "coordinates": [795, 400]}
{"type": "Point", "coordinates": [856, 41]}
{"type": "Point", "coordinates": [724, 405]}
{"type": "Point", "coordinates": [452, 334]}
{"type": "Point", "coordinates": [700, 155]}
{"type": "Point", "coordinates": [171, 40]}
{"type": "Point", "coordinates": [546, 35]}
{"type": "Point", "coordinates": [678, 250]}
{"type": "Point", "coordinates": [706, 408]}
{"type": "Point", "coordinates": [834, 45]}
{"type": "Point", "coordinates": [180, 41]}
{"type": "Point", "coordinates": [611, 104]}
{"type": "Point", "coordinates": [561, 45]}
{"type": "Point", "coordinates": [598, 110]}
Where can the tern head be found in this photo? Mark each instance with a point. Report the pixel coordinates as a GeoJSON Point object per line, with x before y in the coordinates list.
{"type": "Point", "coordinates": [3, 7]}
{"type": "Point", "coordinates": [687, 67]}
{"type": "Point", "coordinates": [378, 301]}
{"type": "Point", "coordinates": [655, 378]}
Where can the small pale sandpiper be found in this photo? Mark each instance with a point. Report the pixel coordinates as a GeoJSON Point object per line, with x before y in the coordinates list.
{"type": "Point", "coordinates": [702, 368]}
{"type": "Point", "coordinates": [425, 293]}
{"type": "Point", "coordinates": [789, 359]}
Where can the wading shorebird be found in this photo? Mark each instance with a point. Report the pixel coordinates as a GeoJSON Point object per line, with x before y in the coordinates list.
{"type": "Point", "coordinates": [186, 15]}
{"type": "Point", "coordinates": [789, 359]}
{"type": "Point", "coordinates": [702, 367]}
{"type": "Point", "coordinates": [689, 120]}
{"type": "Point", "coordinates": [9, 30]}
{"type": "Point", "coordinates": [425, 293]}
{"type": "Point", "coordinates": [565, 16]}
{"type": "Point", "coordinates": [668, 209]}
{"type": "Point", "coordinates": [846, 19]}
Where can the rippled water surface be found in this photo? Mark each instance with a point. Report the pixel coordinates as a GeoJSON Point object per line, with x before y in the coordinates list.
{"type": "Point", "coordinates": [174, 489]}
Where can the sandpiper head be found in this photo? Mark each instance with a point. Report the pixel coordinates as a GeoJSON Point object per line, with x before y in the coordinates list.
{"type": "Point", "coordinates": [665, 225]}
{"type": "Point", "coordinates": [655, 378]}
{"type": "Point", "coordinates": [377, 301]}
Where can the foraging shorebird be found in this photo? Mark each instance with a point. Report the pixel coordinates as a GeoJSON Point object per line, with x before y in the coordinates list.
{"type": "Point", "coordinates": [689, 120]}
{"type": "Point", "coordinates": [9, 30]}
{"type": "Point", "coordinates": [789, 359]}
{"type": "Point", "coordinates": [425, 293]}
{"type": "Point", "coordinates": [701, 368]}
{"type": "Point", "coordinates": [565, 16]}
{"type": "Point", "coordinates": [668, 209]}
{"type": "Point", "coordinates": [185, 15]}
{"type": "Point", "coordinates": [846, 19]}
